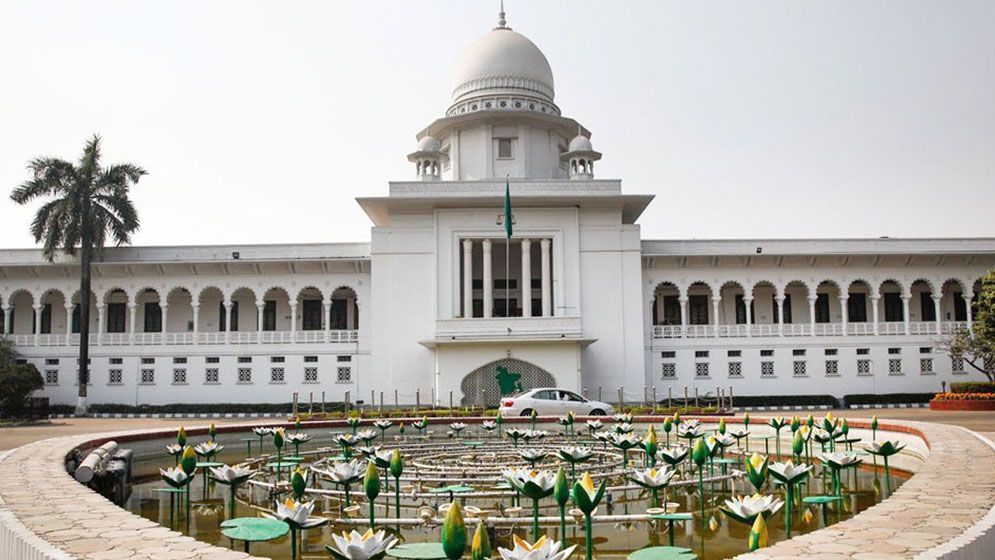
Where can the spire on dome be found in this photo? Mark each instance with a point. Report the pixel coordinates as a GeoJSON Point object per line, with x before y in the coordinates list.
{"type": "Point", "coordinates": [502, 22]}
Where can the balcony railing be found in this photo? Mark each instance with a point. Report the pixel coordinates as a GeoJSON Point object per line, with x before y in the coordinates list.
{"type": "Point", "coordinates": [514, 327]}
{"type": "Point", "coordinates": [890, 328]}
{"type": "Point", "coordinates": [190, 338]}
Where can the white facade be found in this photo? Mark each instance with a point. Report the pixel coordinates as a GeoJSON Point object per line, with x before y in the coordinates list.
{"type": "Point", "coordinates": [422, 311]}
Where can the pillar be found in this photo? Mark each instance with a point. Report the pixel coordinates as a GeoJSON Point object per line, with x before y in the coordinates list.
{"type": "Point", "coordinates": [811, 315]}
{"type": "Point", "coordinates": [748, 304]}
{"type": "Point", "coordinates": [684, 314]}
{"type": "Point", "coordinates": [874, 311]}
{"type": "Point", "coordinates": [261, 310]}
{"type": "Point", "coordinates": [227, 329]}
{"type": "Point", "coordinates": [350, 313]}
{"type": "Point", "coordinates": [844, 312]}
{"type": "Point", "coordinates": [196, 322]}
{"type": "Point", "coordinates": [936, 307]}
{"type": "Point", "coordinates": [101, 319]}
{"type": "Point", "coordinates": [547, 304]}
{"type": "Point", "coordinates": [905, 313]}
{"type": "Point", "coordinates": [467, 278]}
{"type": "Point", "coordinates": [165, 317]}
{"type": "Point", "coordinates": [526, 278]}
{"type": "Point", "coordinates": [36, 309]}
{"type": "Point", "coordinates": [716, 306]}
{"type": "Point", "coordinates": [967, 301]}
{"type": "Point", "coordinates": [488, 281]}
{"type": "Point", "coordinates": [326, 307]}
{"type": "Point", "coordinates": [8, 323]}
{"type": "Point", "coordinates": [132, 317]}
{"type": "Point", "coordinates": [69, 320]}
{"type": "Point", "coordinates": [293, 317]}
{"type": "Point", "coordinates": [779, 300]}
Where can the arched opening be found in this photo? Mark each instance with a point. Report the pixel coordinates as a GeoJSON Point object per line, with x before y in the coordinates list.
{"type": "Point", "coordinates": [857, 301]}
{"type": "Point", "coordinates": [666, 304]}
{"type": "Point", "coordinates": [76, 313]}
{"type": "Point", "coordinates": [209, 310]}
{"type": "Point", "coordinates": [828, 308]}
{"type": "Point", "coordinates": [344, 312]}
{"type": "Point", "coordinates": [487, 384]}
{"type": "Point", "coordinates": [733, 310]}
{"type": "Point", "coordinates": [953, 305]}
{"type": "Point", "coordinates": [52, 318]}
{"type": "Point", "coordinates": [116, 311]}
{"type": "Point", "coordinates": [765, 306]}
{"type": "Point", "coordinates": [699, 303]}
{"type": "Point", "coordinates": [178, 312]}
{"type": "Point", "coordinates": [795, 298]}
{"type": "Point", "coordinates": [311, 309]}
{"type": "Point", "coordinates": [891, 301]}
{"type": "Point", "coordinates": [922, 308]}
{"type": "Point", "coordinates": [148, 313]}
{"type": "Point", "coordinates": [243, 316]}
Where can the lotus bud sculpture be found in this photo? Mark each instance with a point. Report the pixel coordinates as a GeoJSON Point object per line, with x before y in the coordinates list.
{"type": "Point", "coordinates": [586, 498]}
{"type": "Point", "coordinates": [188, 462]}
{"type": "Point", "coordinates": [699, 455]}
{"type": "Point", "coordinates": [758, 534]}
{"type": "Point", "coordinates": [668, 426]}
{"type": "Point", "coordinates": [874, 428]}
{"type": "Point", "coordinates": [454, 532]}
{"type": "Point", "coordinates": [181, 437]}
{"type": "Point", "coordinates": [396, 467]}
{"type": "Point", "coordinates": [756, 470]}
{"type": "Point", "coordinates": [650, 445]}
{"type": "Point", "coordinates": [561, 493]}
{"type": "Point", "coordinates": [298, 484]}
{"type": "Point", "coordinates": [480, 545]}
{"type": "Point", "coordinates": [722, 426]}
{"type": "Point", "coordinates": [371, 486]}
{"type": "Point", "coordinates": [213, 432]}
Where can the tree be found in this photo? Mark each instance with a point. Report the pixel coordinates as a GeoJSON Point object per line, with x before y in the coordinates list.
{"type": "Point", "coordinates": [976, 345]}
{"type": "Point", "coordinates": [17, 381]}
{"type": "Point", "coordinates": [87, 204]}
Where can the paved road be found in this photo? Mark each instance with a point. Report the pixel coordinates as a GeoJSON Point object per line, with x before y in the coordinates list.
{"type": "Point", "coordinates": [983, 422]}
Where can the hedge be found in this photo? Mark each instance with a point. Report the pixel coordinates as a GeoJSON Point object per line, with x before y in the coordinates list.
{"type": "Point", "coordinates": [972, 387]}
{"type": "Point", "coordinates": [887, 398]}
{"type": "Point", "coordinates": [192, 408]}
{"type": "Point", "coordinates": [786, 400]}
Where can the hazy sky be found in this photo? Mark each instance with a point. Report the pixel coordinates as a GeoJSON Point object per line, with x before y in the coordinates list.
{"type": "Point", "coordinates": [261, 122]}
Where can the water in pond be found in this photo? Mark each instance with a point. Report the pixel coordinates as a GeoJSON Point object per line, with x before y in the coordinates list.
{"type": "Point", "coordinates": [447, 462]}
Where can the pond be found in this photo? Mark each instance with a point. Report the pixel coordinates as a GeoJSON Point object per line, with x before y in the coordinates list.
{"type": "Point", "coordinates": [470, 468]}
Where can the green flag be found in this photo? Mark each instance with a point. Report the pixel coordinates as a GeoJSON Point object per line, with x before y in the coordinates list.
{"type": "Point", "coordinates": [507, 208]}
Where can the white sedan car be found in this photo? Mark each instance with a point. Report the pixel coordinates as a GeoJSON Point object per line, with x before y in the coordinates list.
{"type": "Point", "coordinates": [552, 402]}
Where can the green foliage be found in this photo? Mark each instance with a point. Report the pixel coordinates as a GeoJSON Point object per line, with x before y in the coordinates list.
{"type": "Point", "coordinates": [17, 382]}
{"type": "Point", "coordinates": [972, 387]}
{"type": "Point", "coordinates": [977, 345]}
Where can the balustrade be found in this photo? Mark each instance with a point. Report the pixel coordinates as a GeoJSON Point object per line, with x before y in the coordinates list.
{"type": "Point", "coordinates": [189, 338]}
{"type": "Point", "coordinates": [889, 328]}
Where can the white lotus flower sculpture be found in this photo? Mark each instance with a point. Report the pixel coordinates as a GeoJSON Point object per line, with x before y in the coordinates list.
{"type": "Point", "coordinates": [652, 477]}
{"type": "Point", "coordinates": [365, 546]}
{"type": "Point", "coordinates": [623, 418]}
{"type": "Point", "coordinates": [367, 434]}
{"type": "Point", "coordinates": [573, 454]}
{"type": "Point", "coordinates": [841, 459]}
{"type": "Point", "coordinates": [383, 424]}
{"type": "Point", "coordinates": [261, 432]}
{"type": "Point", "coordinates": [368, 450]}
{"type": "Point", "coordinates": [624, 428]}
{"type": "Point", "coordinates": [594, 425]}
{"type": "Point", "coordinates": [542, 549]}
{"type": "Point", "coordinates": [175, 477]}
{"type": "Point", "coordinates": [533, 456]}
{"type": "Point", "coordinates": [789, 474]}
{"type": "Point", "coordinates": [232, 474]}
{"type": "Point", "coordinates": [745, 509]}
{"type": "Point", "coordinates": [208, 449]}
{"type": "Point", "coordinates": [534, 434]}
{"type": "Point", "coordinates": [296, 514]}
{"type": "Point", "coordinates": [344, 473]}
{"type": "Point", "coordinates": [673, 456]}
{"type": "Point", "coordinates": [688, 430]}
{"type": "Point", "coordinates": [489, 425]}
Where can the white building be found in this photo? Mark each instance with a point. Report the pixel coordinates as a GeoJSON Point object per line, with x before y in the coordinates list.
{"type": "Point", "coordinates": [422, 311]}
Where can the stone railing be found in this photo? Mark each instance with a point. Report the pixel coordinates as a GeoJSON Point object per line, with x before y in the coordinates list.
{"type": "Point", "coordinates": [515, 327]}
{"type": "Point", "coordinates": [190, 338]}
{"type": "Point", "coordinates": [892, 328]}
{"type": "Point", "coordinates": [944, 511]}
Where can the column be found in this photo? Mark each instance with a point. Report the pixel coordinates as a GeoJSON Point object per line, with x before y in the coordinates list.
{"type": "Point", "coordinates": [905, 313]}
{"type": "Point", "coordinates": [779, 301]}
{"type": "Point", "coordinates": [8, 323]}
{"type": "Point", "coordinates": [936, 307]}
{"type": "Point", "coordinates": [844, 312]}
{"type": "Point", "coordinates": [37, 323]}
{"type": "Point", "coordinates": [467, 278]}
{"type": "Point", "coordinates": [748, 304]}
{"type": "Point", "coordinates": [326, 307]}
{"type": "Point", "coordinates": [488, 281]}
{"type": "Point", "coordinates": [227, 329]}
{"type": "Point", "coordinates": [261, 310]}
{"type": "Point", "coordinates": [350, 313]}
{"type": "Point", "coordinates": [69, 321]}
{"type": "Point", "coordinates": [811, 315]}
{"type": "Point", "coordinates": [526, 278]}
{"type": "Point", "coordinates": [547, 304]}
{"type": "Point", "coordinates": [874, 311]}
{"type": "Point", "coordinates": [684, 314]}
{"type": "Point", "coordinates": [101, 320]}
{"type": "Point", "coordinates": [293, 317]}
{"type": "Point", "coordinates": [716, 306]}
{"type": "Point", "coordinates": [196, 322]}
{"type": "Point", "coordinates": [132, 318]}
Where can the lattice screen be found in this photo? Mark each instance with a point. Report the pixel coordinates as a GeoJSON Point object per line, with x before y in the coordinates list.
{"type": "Point", "coordinates": [481, 385]}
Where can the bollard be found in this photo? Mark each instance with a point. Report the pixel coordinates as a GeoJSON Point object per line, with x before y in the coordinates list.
{"type": "Point", "coordinates": [730, 398]}
{"type": "Point", "coordinates": [417, 399]}
{"type": "Point", "coordinates": [450, 403]}
{"type": "Point", "coordinates": [696, 396]}
{"type": "Point", "coordinates": [395, 399]}
{"type": "Point", "coordinates": [346, 401]}
{"type": "Point", "coordinates": [670, 397]}
{"type": "Point", "coordinates": [654, 399]}
{"type": "Point", "coordinates": [373, 397]}
{"type": "Point", "coordinates": [381, 401]}
{"type": "Point", "coordinates": [310, 402]}
{"type": "Point", "coordinates": [322, 402]}
{"type": "Point", "coordinates": [718, 407]}
{"type": "Point", "coordinates": [295, 405]}
{"type": "Point", "coordinates": [600, 398]}
{"type": "Point", "coordinates": [434, 401]}
{"type": "Point", "coordinates": [621, 399]}
{"type": "Point", "coordinates": [685, 396]}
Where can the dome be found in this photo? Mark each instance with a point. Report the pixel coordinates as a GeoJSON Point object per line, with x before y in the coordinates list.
{"type": "Point", "coordinates": [429, 144]}
{"type": "Point", "coordinates": [503, 61]}
{"type": "Point", "coordinates": [580, 143]}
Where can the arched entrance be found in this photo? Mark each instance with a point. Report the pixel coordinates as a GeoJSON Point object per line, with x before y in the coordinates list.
{"type": "Point", "coordinates": [487, 384]}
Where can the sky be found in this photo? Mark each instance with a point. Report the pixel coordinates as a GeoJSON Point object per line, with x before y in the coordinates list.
{"type": "Point", "coordinates": [261, 122]}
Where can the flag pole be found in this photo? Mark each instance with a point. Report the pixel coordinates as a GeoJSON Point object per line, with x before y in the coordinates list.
{"type": "Point", "coordinates": [507, 247]}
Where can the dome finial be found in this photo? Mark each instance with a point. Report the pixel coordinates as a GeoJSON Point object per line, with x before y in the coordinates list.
{"type": "Point", "coordinates": [502, 22]}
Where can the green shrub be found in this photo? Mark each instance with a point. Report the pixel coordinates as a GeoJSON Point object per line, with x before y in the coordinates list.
{"type": "Point", "coordinates": [972, 387]}
{"type": "Point", "coordinates": [887, 398]}
{"type": "Point", "coordinates": [17, 382]}
{"type": "Point", "coordinates": [786, 400]}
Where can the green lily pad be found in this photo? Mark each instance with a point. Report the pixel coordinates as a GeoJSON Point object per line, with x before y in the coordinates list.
{"type": "Point", "coordinates": [207, 464]}
{"type": "Point", "coordinates": [663, 553]}
{"type": "Point", "coordinates": [473, 443]}
{"type": "Point", "coordinates": [294, 458]}
{"type": "Point", "coordinates": [418, 551]}
{"type": "Point", "coordinates": [281, 465]}
{"type": "Point", "coordinates": [727, 461]}
{"type": "Point", "coordinates": [254, 529]}
{"type": "Point", "coordinates": [455, 489]}
{"type": "Point", "coordinates": [170, 490]}
{"type": "Point", "coordinates": [820, 499]}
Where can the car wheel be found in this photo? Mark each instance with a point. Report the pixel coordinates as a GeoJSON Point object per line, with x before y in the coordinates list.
{"type": "Point", "coordinates": [597, 412]}
{"type": "Point", "coordinates": [526, 412]}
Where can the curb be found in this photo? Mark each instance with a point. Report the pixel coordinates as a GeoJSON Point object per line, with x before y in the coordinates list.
{"type": "Point", "coordinates": [901, 405]}
{"type": "Point", "coordinates": [177, 415]}
{"type": "Point", "coordinates": [827, 407]}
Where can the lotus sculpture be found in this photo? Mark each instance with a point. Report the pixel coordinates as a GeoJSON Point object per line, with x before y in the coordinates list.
{"type": "Point", "coordinates": [745, 509]}
{"type": "Point", "coordinates": [365, 546]}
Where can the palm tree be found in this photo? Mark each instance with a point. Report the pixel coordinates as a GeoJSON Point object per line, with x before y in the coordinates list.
{"type": "Point", "coordinates": [86, 203]}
